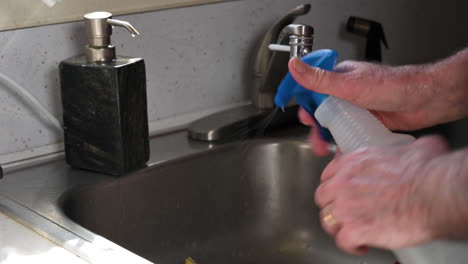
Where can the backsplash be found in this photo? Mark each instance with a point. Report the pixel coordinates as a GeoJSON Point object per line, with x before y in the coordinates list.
{"type": "Point", "coordinates": [198, 58]}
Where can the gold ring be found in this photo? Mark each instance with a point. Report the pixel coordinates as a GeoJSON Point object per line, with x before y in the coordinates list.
{"type": "Point", "coordinates": [329, 220]}
{"type": "Point", "coordinates": [328, 217]}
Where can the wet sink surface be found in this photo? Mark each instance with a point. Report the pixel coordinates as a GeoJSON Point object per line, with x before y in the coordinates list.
{"type": "Point", "coordinates": [240, 203]}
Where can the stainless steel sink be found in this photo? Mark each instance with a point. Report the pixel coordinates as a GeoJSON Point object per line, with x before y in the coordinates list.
{"type": "Point", "coordinates": [246, 202]}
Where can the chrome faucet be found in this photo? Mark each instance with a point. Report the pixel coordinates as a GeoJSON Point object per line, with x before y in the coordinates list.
{"type": "Point", "coordinates": [269, 69]}
{"type": "Point", "coordinates": [301, 39]}
{"type": "Point", "coordinates": [269, 66]}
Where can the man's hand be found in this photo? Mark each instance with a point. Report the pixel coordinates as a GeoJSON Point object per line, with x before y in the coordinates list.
{"type": "Point", "coordinates": [394, 197]}
{"type": "Point", "coordinates": [403, 98]}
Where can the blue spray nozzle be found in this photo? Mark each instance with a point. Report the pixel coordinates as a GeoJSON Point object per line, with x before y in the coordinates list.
{"type": "Point", "coordinates": [307, 99]}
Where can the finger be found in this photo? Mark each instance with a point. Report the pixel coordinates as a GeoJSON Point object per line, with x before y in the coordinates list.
{"type": "Point", "coordinates": [326, 193]}
{"type": "Point", "coordinates": [347, 66]}
{"type": "Point", "coordinates": [305, 117]}
{"type": "Point", "coordinates": [349, 240]}
{"type": "Point", "coordinates": [390, 120]}
{"type": "Point", "coordinates": [313, 78]}
{"type": "Point", "coordinates": [343, 161]}
{"type": "Point", "coordinates": [434, 144]}
{"type": "Point", "coordinates": [338, 153]}
{"type": "Point", "coordinates": [332, 168]}
{"type": "Point", "coordinates": [350, 86]}
{"type": "Point", "coordinates": [319, 145]}
{"type": "Point", "coordinates": [425, 148]}
{"type": "Point", "coordinates": [329, 82]}
{"type": "Point", "coordinates": [329, 223]}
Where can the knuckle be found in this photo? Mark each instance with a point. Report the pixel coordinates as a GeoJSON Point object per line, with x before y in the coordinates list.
{"type": "Point", "coordinates": [359, 160]}
{"type": "Point", "coordinates": [329, 192]}
{"type": "Point", "coordinates": [348, 240]}
{"type": "Point", "coordinates": [319, 197]}
{"type": "Point", "coordinates": [344, 210]}
{"type": "Point", "coordinates": [332, 168]}
{"type": "Point", "coordinates": [346, 66]}
{"type": "Point", "coordinates": [343, 241]}
{"type": "Point", "coordinates": [319, 78]}
{"type": "Point", "coordinates": [435, 141]}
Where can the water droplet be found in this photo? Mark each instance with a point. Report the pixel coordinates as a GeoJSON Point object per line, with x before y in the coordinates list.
{"type": "Point", "coordinates": [133, 35]}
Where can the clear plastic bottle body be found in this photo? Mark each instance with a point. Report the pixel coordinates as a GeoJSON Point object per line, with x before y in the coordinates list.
{"type": "Point", "coordinates": [353, 127]}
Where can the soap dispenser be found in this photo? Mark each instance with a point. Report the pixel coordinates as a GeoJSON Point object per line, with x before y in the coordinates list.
{"type": "Point", "coordinates": [104, 102]}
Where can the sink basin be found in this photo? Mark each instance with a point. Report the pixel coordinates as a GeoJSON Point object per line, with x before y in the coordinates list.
{"type": "Point", "coordinates": [246, 202]}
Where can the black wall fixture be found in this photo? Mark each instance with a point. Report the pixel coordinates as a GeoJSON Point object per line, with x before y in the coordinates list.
{"type": "Point", "coordinates": [374, 33]}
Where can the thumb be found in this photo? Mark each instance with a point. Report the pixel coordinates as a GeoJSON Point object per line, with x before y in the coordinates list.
{"type": "Point", "coordinates": [316, 79]}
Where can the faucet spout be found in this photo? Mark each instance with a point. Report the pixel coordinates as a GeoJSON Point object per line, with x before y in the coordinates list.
{"type": "Point", "coordinates": [269, 68]}
{"type": "Point", "coordinates": [301, 39]}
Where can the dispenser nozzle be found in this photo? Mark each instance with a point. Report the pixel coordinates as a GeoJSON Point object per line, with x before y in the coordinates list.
{"type": "Point", "coordinates": [124, 24]}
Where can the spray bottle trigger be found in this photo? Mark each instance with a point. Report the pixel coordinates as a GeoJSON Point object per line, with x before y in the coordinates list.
{"type": "Point", "coordinates": [307, 99]}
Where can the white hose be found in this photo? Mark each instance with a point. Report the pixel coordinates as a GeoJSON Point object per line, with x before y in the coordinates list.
{"type": "Point", "coordinates": [31, 100]}
{"type": "Point", "coordinates": [277, 47]}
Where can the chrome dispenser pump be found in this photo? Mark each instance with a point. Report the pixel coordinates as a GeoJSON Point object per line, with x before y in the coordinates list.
{"type": "Point", "coordinates": [99, 29]}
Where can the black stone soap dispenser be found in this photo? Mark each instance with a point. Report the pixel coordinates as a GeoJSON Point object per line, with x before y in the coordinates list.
{"type": "Point", "coordinates": [104, 103]}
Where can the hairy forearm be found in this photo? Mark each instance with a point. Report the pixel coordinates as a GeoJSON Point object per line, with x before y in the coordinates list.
{"type": "Point", "coordinates": [433, 93]}
{"type": "Point", "coordinates": [450, 83]}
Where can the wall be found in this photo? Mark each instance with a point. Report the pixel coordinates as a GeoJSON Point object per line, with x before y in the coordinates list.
{"type": "Point", "coordinates": [198, 58]}
{"type": "Point", "coordinates": [26, 13]}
